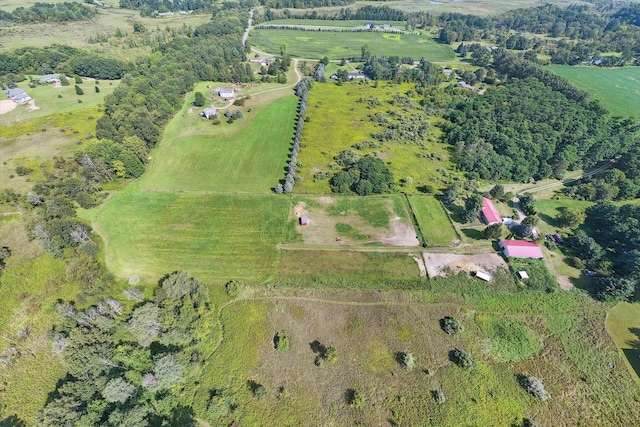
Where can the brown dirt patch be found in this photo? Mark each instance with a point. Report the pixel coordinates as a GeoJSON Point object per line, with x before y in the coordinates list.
{"type": "Point", "coordinates": [439, 264]}
{"type": "Point", "coordinates": [31, 106]}
{"type": "Point", "coordinates": [299, 209]}
{"type": "Point", "coordinates": [401, 234]}
{"type": "Point", "coordinates": [7, 105]}
{"type": "Point", "coordinates": [190, 110]}
{"type": "Point", "coordinates": [565, 283]}
{"type": "Point", "coordinates": [326, 200]}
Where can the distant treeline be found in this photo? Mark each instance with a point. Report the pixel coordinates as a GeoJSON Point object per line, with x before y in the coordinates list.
{"type": "Point", "coordinates": [60, 59]}
{"type": "Point", "coordinates": [151, 6]}
{"type": "Point", "coordinates": [579, 33]}
{"type": "Point", "coordinates": [46, 12]}
{"type": "Point", "coordinates": [303, 4]}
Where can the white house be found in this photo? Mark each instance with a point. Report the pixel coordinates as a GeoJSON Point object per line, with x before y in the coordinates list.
{"type": "Point", "coordinates": [226, 93]}
{"type": "Point", "coordinates": [208, 112]}
{"type": "Point", "coordinates": [17, 95]}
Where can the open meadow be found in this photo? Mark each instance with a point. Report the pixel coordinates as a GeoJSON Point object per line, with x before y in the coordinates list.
{"type": "Point", "coordinates": [617, 89]}
{"type": "Point", "coordinates": [341, 118]}
{"type": "Point", "coordinates": [623, 324]}
{"type": "Point", "coordinates": [52, 99]}
{"type": "Point", "coordinates": [372, 331]}
{"type": "Point", "coordinates": [434, 223]}
{"type": "Point", "coordinates": [337, 45]}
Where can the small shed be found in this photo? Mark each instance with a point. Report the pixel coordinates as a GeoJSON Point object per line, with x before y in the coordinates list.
{"type": "Point", "coordinates": [522, 275]}
{"type": "Point", "coordinates": [304, 221]}
{"type": "Point", "coordinates": [483, 276]}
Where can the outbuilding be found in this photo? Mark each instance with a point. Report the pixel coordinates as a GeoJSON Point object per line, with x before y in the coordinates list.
{"type": "Point", "coordinates": [520, 249]}
{"type": "Point", "coordinates": [483, 276]}
{"type": "Point", "coordinates": [522, 275]}
{"type": "Point", "coordinates": [226, 93]}
{"type": "Point", "coordinates": [304, 221]}
{"type": "Point", "coordinates": [207, 113]}
{"type": "Point", "coordinates": [489, 214]}
{"type": "Point", "coordinates": [17, 95]}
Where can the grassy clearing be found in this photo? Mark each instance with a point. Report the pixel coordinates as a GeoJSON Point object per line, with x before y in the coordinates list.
{"type": "Point", "coordinates": [213, 236]}
{"type": "Point", "coordinates": [46, 99]}
{"type": "Point", "coordinates": [247, 156]}
{"type": "Point", "coordinates": [623, 324]}
{"type": "Point", "coordinates": [509, 341]}
{"type": "Point", "coordinates": [34, 143]}
{"type": "Point", "coordinates": [327, 23]}
{"type": "Point", "coordinates": [548, 210]}
{"type": "Point", "coordinates": [488, 395]}
{"type": "Point", "coordinates": [77, 34]}
{"type": "Point", "coordinates": [337, 45]}
{"type": "Point", "coordinates": [344, 267]}
{"type": "Point", "coordinates": [433, 220]}
{"type": "Point", "coordinates": [337, 121]}
{"type": "Point", "coordinates": [617, 89]}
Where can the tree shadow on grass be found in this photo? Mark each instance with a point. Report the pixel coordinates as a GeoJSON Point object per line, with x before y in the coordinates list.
{"type": "Point", "coordinates": [472, 233]}
{"type": "Point", "coordinates": [12, 421]}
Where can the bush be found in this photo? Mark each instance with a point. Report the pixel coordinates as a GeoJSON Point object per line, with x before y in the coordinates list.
{"type": "Point", "coordinates": [462, 359]}
{"type": "Point", "coordinates": [438, 396]}
{"type": "Point", "coordinates": [239, 102]}
{"type": "Point", "coordinates": [330, 354]}
{"type": "Point", "coordinates": [534, 386]}
{"type": "Point", "coordinates": [77, 79]}
{"type": "Point", "coordinates": [355, 399]}
{"type": "Point", "coordinates": [281, 341]}
{"type": "Point", "coordinates": [79, 90]}
{"type": "Point", "coordinates": [451, 325]}
{"type": "Point", "coordinates": [23, 170]}
{"type": "Point", "coordinates": [408, 361]}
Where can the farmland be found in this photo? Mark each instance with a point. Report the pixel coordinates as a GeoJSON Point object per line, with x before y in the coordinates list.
{"type": "Point", "coordinates": [340, 117]}
{"type": "Point", "coordinates": [337, 45]}
{"type": "Point", "coordinates": [617, 89]}
{"type": "Point", "coordinates": [433, 221]}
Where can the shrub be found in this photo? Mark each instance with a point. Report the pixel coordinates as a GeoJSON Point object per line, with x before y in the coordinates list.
{"type": "Point", "coordinates": [408, 361]}
{"type": "Point", "coordinates": [462, 359]}
{"type": "Point", "coordinates": [330, 354]}
{"type": "Point", "coordinates": [77, 79]}
{"type": "Point", "coordinates": [534, 386]}
{"type": "Point", "coordinates": [239, 102]}
{"type": "Point", "coordinates": [451, 325]}
{"type": "Point", "coordinates": [355, 399]}
{"type": "Point", "coordinates": [281, 341]}
{"type": "Point", "coordinates": [23, 170]}
{"type": "Point", "coordinates": [438, 396]}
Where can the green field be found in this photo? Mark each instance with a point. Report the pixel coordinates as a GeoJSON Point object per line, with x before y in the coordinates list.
{"type": "Point", "coordinates": [434, 222]}
{"type": "Point", "coordinates": [47, 102]}
{"type": "Point", "coordinates": [311, 23]}
{"type": "Point", "coordinates": [338, 118]}
{"type": "Point", "coordinates": [248, 156]}
{"type": "Point", "coordinates": [617, 89]}
{"type": "Point", "coordinates": [623, 324]}
{"type": "Point", "coordinates": [337, 45]}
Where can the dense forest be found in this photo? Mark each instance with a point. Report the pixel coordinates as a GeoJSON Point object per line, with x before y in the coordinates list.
{"type": "Point", "coordinates": [129, 369]}
{"type": "Point", "coordinates": [47, 12]}
{"type": "Point", "coordinates": [523, 130]}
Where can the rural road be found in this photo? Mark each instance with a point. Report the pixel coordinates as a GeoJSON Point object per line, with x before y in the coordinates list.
{"type": "Point", "coordinates": [246, 33]}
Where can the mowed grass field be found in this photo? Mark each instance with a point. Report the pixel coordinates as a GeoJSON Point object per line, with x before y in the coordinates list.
{"type": "Point", "coordinates": [249, 155]}
{"type": "Point", "coordinates": [338, 120]}
{"type": "Point", "coordinates": [337, 45]}
{"type": "Point", "coordinates": [567, 351]}
{"type": "Point", "coordinates": [617, 89]}
{"type": "Point", "coordinates": [623, 324]}
{"type": "Point", "coordinates": [433, 221]}
{"type": "Point", "coordinates": [311, 23]}
{"type": "Point", "coordinates": [47, 102]}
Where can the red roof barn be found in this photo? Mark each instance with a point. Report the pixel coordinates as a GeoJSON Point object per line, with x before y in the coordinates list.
{"type": "Point", "coordinates": [489, 214]}
{"type": "Point", "coordinates": [520, 249]}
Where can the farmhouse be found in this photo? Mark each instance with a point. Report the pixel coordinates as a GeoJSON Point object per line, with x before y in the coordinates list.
{"type": "Point", "coordinates": [208, 112]}
{"type": "Point", "coordinates": [386, 26]}
{"type": "Point", "coordinates": [464, 85]}
{"type": "Point", "coordinates": [255, 59]}
{"type": "Point", "coordinates": [520, 249]}
{"type": "Point", "coordinates": [17, 95]}
{"type": "Point", "coordinates": [489, 214]}
{"type": "Point", "coordinates": [356, 75]}
{"type": "Point", "coordinates": [369, 25]}
{"type": "Point", "coordinates": [226, 93]}
{"type": "Point", "coordinates": [49, 78]}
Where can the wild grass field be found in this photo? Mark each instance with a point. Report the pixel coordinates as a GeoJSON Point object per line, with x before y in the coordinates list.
{"type": "Point", "coordinates": [623, 324]}
{"type": "Point", "coordinates": [51, 99]}
{"type": "Point", "coordinates": [433, 221]}
{"type": "Point", "coordinates": [337, 45]}
{"type": "Point", "coordinates": [371, 331]}
{"type": "Point", "coordinates": [311, 23]}
{"type": "Point", "coordinates": [617, 89]}
{"type": "Point", "coordinates": [340, 117]}
{"type": "Point", "coordinates": [249, 155]}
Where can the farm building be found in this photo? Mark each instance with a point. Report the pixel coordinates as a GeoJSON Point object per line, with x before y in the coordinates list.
{"type": "Point", "coordinates": [489, 214]}
{"type": "Point", "coordinates": [520, 249]}
{"type": "Point", "coordinates": [49, 78]}
{"type": "Point", "coordinates": [266, 62]}
{"type": "Point", "coordinates": [304, 221]}
{"type": "Point", "coordinates": [483, 276]}
{"type": "Point", "coordinates": [255, 59]}
{"type": "Point", "coordinates": [226, 93]}
{"type": "Point", "coordinates": [356, 75]}
{"type": "Point", "coordinates": [208, 113]}
{"type": "Point", "coordinates": [522, 275]}
{"type": "Point", "coordinates": [386, 26]}
{"type": "Point", "coordinates": [465, 85]}
{"type": "Point", "coordinates": [17, 95]}
{"type": "Point", "coordinates": [369, 25]}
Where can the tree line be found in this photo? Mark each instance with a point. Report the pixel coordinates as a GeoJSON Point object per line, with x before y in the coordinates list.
{"type": "Point", "coordinates": [151, 7]}
{"type": "Point", "coordinates": [47, 12]}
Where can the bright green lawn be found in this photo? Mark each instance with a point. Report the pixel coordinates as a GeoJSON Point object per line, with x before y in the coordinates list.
{"type": "Point", "coordinates": [433, 220]}
{"type": "Point", "coordinates": [623, 324]}
{"type": "Point", "coordinates": [215, 237]}
{"type": "Point", "coordinates": [249, 156]}
{"type": "Point", "coordinates": [617, 89]}
{"type": "Point", "coordinates": [328, 23]}
{"type": "Point", "coordinates": [48, 103]}
{"type": "Point", "coordinates": [337, 121]}
{"type": "Point", "coordinates": [337, 45]}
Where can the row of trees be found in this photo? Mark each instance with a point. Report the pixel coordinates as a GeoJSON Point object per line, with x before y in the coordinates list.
{"type": "Point", "coordinates": [302, 92]}
{"type": "Point", "coordinates": [365, 13]}
{"type": "Point", "coordinates": [48, 12]}
{"type": "Point", "coordinates": [150, 7]}
{"type": "Point", "coordinates": [126, 368]}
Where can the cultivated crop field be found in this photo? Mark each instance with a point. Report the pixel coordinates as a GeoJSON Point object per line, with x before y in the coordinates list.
{"type": "Point", "coordinates": [371, 331]}
{"type": "Point", "coordinates": [340, 117]}
{"type": "Point", "coordinates": [337, 45]}
{"type": "Point", "coordinates": [617, 89]}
